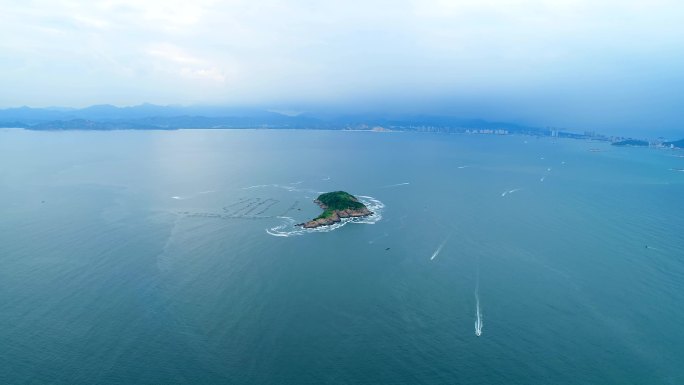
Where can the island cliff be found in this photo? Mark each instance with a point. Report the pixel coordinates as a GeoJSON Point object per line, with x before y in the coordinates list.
{"type": "Point", "coordinates": [336, 205]}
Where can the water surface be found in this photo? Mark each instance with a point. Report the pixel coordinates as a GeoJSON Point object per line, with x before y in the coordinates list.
{"type": "Point", "coordinates": [150, 257]}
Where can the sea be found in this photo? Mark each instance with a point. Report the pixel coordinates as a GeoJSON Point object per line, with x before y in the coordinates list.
{"type": "Point", "coordinates": [172, 257]}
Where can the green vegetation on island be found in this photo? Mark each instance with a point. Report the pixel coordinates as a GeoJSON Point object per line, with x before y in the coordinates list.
{"type": "Point", "coordinates": [630, 142]}
{"type": "Point", "coordinates": [337, 200]}
{"type": "Point", "coordinates": [336, 205]}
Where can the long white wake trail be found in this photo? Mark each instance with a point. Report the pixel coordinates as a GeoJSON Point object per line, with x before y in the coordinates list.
{"type": "Point", "coordinates": [478, 313]}
{"type": "Point", "coordinates": [439, 249]}
{"type": "Point", "coordinates": [396, 185]}
{"type": "Point", "coordinates": [478, 317]}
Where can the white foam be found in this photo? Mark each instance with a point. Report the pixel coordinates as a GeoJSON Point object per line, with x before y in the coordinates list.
{"type": "Point", "coordinates": [503, 194]}
{"type": "Point", "coordinates": [256, 186]}
{"type": "Point", "coordinates": [462, 167]}
{"type": "Point", "coordinates": [192, 195]}
{"type": "Point", "coordinates": [478, 313]}
{"type": "Point", "coordinates": [396, 185]}
{"type": "Point", "coordinates": [288, 228]}
{"type": "Point", "coordinates": [478, 316]}
{"type": "Point", "coordinates": [439, 249]}
{"type": "Point", "coordinates": [289, 187]}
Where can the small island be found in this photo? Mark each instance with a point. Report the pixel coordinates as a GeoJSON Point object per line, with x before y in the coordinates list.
{"type": "Point", "coordinates": [336, 205]}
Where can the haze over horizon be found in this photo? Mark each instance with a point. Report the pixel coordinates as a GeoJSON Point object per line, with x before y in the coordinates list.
{"type": "Point", "coordinates": [614, 66]}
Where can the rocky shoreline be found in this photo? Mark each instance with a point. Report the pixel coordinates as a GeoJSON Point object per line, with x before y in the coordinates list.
{"type": "Point", "coordinates": [335, 217]}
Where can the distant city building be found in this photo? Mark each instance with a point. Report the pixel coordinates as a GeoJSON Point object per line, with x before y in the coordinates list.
{"type": "Point", "coordinates": [487, 131]}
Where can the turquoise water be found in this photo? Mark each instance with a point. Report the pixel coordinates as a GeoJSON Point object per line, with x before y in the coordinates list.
{"type": "Point", "coordinates": [169, 258]}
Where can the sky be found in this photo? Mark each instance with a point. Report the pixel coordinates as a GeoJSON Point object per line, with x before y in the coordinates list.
{"type": "Point", "coordinates": [584, 64]}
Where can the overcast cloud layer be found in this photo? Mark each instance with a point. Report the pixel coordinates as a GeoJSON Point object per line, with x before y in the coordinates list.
{"type": "Point", "coordinates": [601, 65]}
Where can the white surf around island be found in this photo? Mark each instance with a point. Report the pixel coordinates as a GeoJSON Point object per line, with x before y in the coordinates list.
{"type": "Point", "coordinates": [439, 249]}
{"type": "Point", "coordinates": [288, 229]}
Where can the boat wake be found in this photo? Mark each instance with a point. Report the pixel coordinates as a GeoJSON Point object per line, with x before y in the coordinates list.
{"type": "Point", "coordinates": [439, 249]}
{"type": "Point", "coordinates": [396, 185]}
{"type": "Point", "coordinates": [291, 187]}
{"type": "Point", "coordinates": [478, 312]}
{"type": "Point", "coordinates": [503, 194]}
{"type": "Point", "coordinates": [478, 316]}
{"type": "Point", "coordinates": [180, 198]}
{"type": "Point", "coordinates": [288, 187]}
{"type": "Point", "coordinates": [288, 228]}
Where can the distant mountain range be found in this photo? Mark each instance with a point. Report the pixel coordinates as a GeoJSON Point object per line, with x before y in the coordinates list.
{"type": "Point", "coordinates": [150, 116]}
{"type": "Point", "coordinates": [155, 117]}
{"type": "Point", "coordinates": [676, 143]}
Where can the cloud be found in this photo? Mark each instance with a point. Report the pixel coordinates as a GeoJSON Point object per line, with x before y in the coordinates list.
{"type": "Point", "coordinates": [536, 55]}
{"type": "Point", "coordinates": [169, 52]}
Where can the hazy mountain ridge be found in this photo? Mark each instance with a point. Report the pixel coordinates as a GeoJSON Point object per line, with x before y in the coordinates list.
{"type": "Point", "coordinates": [149, 116]}
{"type": "Point", "coordinates": [675, 143]}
